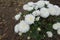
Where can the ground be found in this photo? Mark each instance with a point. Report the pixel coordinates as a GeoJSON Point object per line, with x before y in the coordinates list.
{"type": "Point", "coordinates": [8, 9]}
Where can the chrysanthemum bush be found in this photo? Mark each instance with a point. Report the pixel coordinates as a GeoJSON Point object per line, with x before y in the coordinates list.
{"type": "Point", "coordinates": [42, 19]}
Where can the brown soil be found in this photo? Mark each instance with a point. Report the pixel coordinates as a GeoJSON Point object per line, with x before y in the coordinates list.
{"type": "Point", "coordinates": [8, 9]}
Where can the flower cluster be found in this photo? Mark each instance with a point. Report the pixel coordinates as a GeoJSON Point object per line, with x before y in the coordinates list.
{"type": "Point", "coordinates": [23, 26]}
{"type": "Point", "coordinates": [40, 9]}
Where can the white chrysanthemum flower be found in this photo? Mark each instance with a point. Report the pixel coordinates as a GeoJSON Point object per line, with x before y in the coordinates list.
{"type": "Point", "coordinates": [31, 4]}
{"type": "Point", "coordinates": [58, 31]}
{"type": "Point", "coordinates": [49, 34]}
{"type": "Point", "coordinates": [29, 19]}
{"type": "Point", "coordinates": [23, 27]}
{"type": "Point", "coordinates": [36, 13]}
{"type": "Point", "coordinates": [56, 26]}
{"type": "Point", "coordinates": [57, 9]}
{"type": "Point", "coordinates": [27, 7]}
{"type": "Point", "coordinates": [52, 11]}
{"type": "Point", "coordinates": [18, 16]}
{"type": "Point", "coordinates": [16, 28]}
{"type": "Point", "coordinates": [37, 19]}
{"type": "Point", "coordinates": [44, 12]}
{"type": "Point", "coordinates": [40, 4]}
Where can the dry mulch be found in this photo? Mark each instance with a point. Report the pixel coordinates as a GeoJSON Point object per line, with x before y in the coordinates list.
{"type": "Point", "coordinates": [8, 9]}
